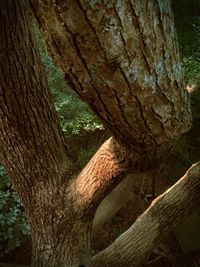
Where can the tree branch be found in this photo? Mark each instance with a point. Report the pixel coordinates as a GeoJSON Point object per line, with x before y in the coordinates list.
{"type": "Point", "coordinates": [117, 198]}
{"type": "Point", "coordinates": [113, 202]}
{"type": "Point", "coordinates": [134, 246]}
{"type": "Point", "coordinates": [31, 142]}
{"type": "Point", "coordinates": [104, 171]}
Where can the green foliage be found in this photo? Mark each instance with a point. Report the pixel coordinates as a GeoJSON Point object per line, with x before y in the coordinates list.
{"type": "Point", "coordinates": [191, 66]}
{"type": "Point", "coordinates": [191, 63]}
{"type": "Point", "coordinates": [186, 14]}
{"type": "Point", "coordinates": [14, 228]}
{"type": "Point", "coordinates": [3, 177]}
{"type": "Point", "coordinates": [75, 117]}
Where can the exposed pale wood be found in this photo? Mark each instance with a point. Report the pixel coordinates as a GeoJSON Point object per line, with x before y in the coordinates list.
{"type": "Point", "coordinates": [112, 203]}
{"type": "Point", "coordinates": [117, 199]}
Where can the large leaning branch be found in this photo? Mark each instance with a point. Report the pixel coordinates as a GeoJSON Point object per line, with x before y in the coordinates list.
{"type": "Point", "coordinates": [165, 213]}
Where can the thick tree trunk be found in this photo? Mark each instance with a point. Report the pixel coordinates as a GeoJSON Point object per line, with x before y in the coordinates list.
{"type": "Point", "coordinates": [32, 149]}
{"type": "Point", "coordinates": [68, 246]}
{"type": "Point", "coordinates": [122, 58]}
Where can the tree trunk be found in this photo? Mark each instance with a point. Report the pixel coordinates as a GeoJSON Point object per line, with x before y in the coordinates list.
{"type": "Point", "coordinates": [32, 148]}
{"type": "Point", "coordinates": [68, 246]}
{"type": "Point", "coordinates": [137, 92]}
{"type": "Point", "coordinates": [121, 57]}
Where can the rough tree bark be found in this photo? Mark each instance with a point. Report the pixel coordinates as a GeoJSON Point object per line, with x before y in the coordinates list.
{"type": "Point", "coordinates": [121, 57]}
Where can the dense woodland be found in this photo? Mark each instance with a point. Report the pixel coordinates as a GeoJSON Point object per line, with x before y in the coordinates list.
{"type": "Point", "coordinates": [85, 127]}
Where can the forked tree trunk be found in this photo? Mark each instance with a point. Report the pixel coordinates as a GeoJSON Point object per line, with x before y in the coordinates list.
{"type": "Point", "coordinates": [121, 57]}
